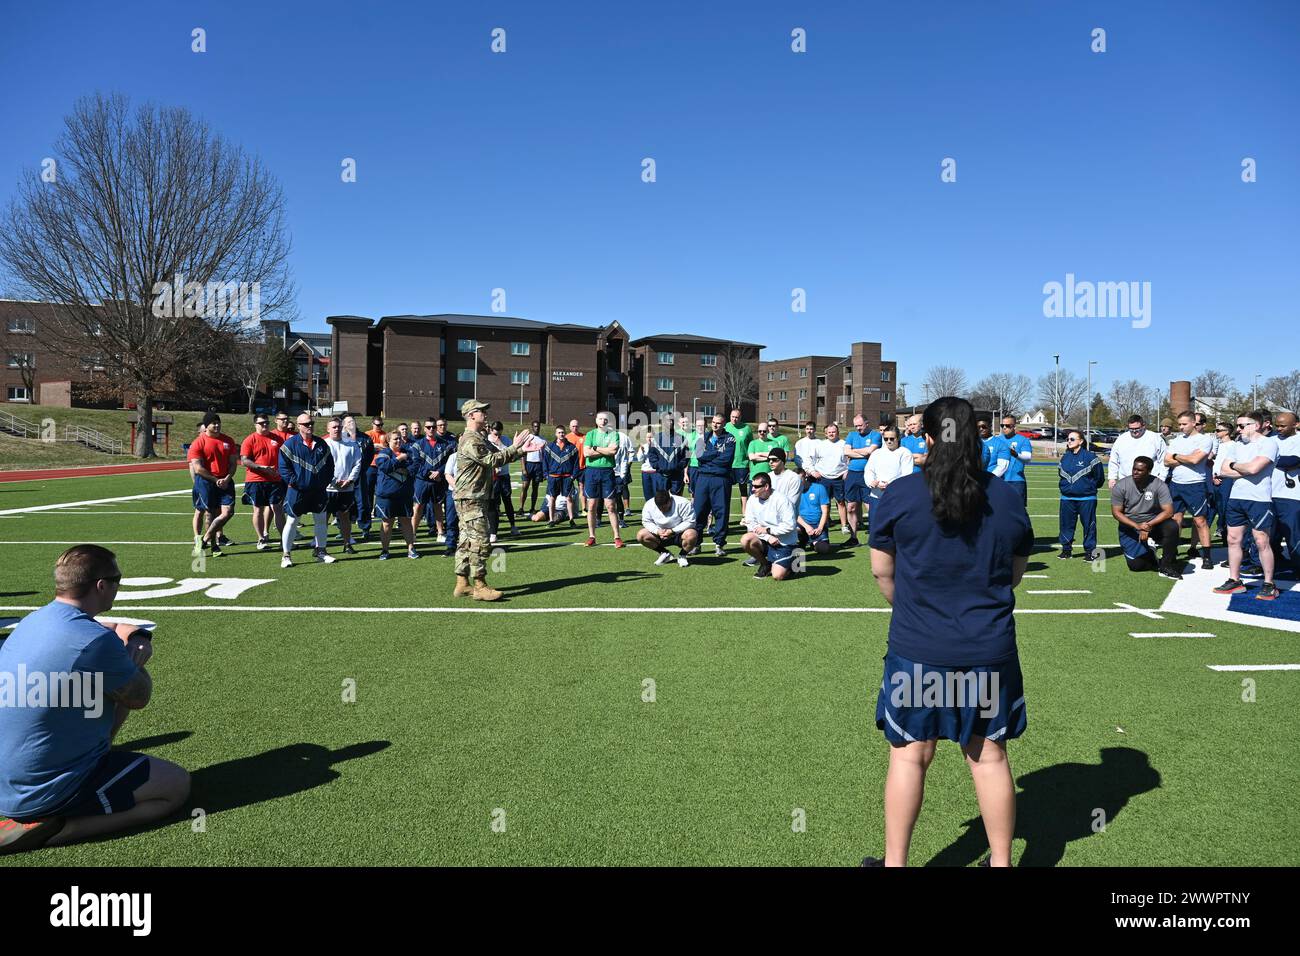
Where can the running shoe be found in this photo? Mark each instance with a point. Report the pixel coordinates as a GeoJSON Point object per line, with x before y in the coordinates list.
{"type": "Point", "coordinates": [1267, 592]}
{"type": "Point", "coordinates": [1065, 554]}
{"type": "Point", "coordinates": [719, 551]}
{"type": "Point", "coordinates": [591, 543]}
{"type": "Point", "coordinates": [682, 562]}
{"type": "Point", "coordinates": [263, 543]}
{"type": "Point", "coordinates": [16, 837]}
{"type": "Point", "coordinates": [324, 557]}
{"type": "Point", "coordinates": [286, 561]}
{"type": "Point", "coordinates": [663, 559]}
{"type": "Point", "coordinates": [1230, 586]}
{"type": "Point", "coordinates": [618, 543]}
{"type": "Point", "coordinates": [348, 549]}
{"type": "Point", "coordinates": [383, 555]}
{"type": "Point", "coordinates": [751, 562]}
{"type": "Point", "coordinates": [412, 554]}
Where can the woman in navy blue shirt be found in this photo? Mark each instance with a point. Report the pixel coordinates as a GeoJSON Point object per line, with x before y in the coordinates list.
{"type": "Point", "coordinates": [949, 543]}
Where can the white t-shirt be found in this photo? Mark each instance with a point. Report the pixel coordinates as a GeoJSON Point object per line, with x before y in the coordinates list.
{"type": "Point", "coordinates": [1126, 448]}
{"type": "Point", "coordinates": [449, 469]}
{"type": "Point", "coordinates": [681, 515]}
{"type": "Point", "coordinates": [347, 461]}
{"type": "Point", "coordinates": [1227, 452]}
{"type": "Point", "coordinates": [1287, 446]}
{"type": "Point", "coordinates": [1186, 445]}
{"type": "Point", "coordinates": [803, 450]}
{"type": "Point", "coordinates": [788, 485]}
{"type": "Point", "coordinates": [1259, 486]}
{"type": "Point", "coordinates": [886, 465]}
{"type": "Point", "coordinates": [776, 514]}
{"type": "Point", "coordinates": [828, 458]}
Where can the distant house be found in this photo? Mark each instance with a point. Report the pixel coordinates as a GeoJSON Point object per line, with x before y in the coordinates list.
{"type": "Point", "coordinates": [1034, 418]}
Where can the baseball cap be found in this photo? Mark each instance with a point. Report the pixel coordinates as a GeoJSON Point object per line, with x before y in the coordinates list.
{"type": "Point", "coordinates": [473, 405]}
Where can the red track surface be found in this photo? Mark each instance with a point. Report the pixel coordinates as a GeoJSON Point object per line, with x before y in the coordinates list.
{"type": "Point", "coordinates": [96, 472]}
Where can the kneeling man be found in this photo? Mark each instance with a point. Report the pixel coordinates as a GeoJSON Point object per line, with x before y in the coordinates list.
{"type": "Point", "coordinates": [771, 536]}
{"type": "Point", "coordinates": [1142, 505]}
{"type": "Point", "coordinates": [667, 520]}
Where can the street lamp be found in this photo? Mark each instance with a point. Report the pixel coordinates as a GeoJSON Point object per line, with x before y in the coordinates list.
{"type": "Point", "coordinates": [1056, 410]}
{"type": "Point", "coordinates": [1087, 443]}
{"type": "Point", "coordinates": [476, 350]}
{"type": "Point", "coordinates": [1254, 393]}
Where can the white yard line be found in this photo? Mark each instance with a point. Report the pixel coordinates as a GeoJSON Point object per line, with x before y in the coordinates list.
{"type": "Point", "coordinates": [566, 610]}
{"type": "Point", "coordinates": [1145, 613]}
{"type": "Point", "coordinates": [1058, 592]}
{"type": "Point", "coordinates": [96, 501]}
{"type": "Point", "coordinates": [1170, 634]}
{"type": "Point", "coordinates": [1253, 667]}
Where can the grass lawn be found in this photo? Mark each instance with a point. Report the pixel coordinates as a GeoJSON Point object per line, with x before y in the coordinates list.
{"type": "Point", "coordinates": [531, 711]}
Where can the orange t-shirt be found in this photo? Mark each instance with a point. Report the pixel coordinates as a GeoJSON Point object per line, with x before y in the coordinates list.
{"type": "Point", "coordinates": [575, 438]}
{"type": "Point", "coordinates": [261, 450]}
{"type": "Point", "coordinates": [380, 438]}
{"type": "Point", "coordinates": [218, 455]}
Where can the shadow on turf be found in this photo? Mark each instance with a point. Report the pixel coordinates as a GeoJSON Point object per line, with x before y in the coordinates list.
{"type": "Point", "coordinates": [5, 594]}
{"type": "Point", "coordinates": [1058, 804]}
{"type": "Point", "coordinates": [541, 587]}
{"type": "Point", "coordinates": [244, 781]}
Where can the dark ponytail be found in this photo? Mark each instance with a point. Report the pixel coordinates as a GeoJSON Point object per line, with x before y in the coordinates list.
{"type": "Point", "coordinates": [954, 465]}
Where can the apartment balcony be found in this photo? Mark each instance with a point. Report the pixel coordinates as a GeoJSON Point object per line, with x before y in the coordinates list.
{"type": "Point", "coordinates": [821, 391]}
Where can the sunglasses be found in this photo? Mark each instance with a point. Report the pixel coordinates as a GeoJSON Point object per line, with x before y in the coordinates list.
{"type": "Point", "coordinates": [774, 459]}
{"type": "Point", "coordinates": [760, 487]}
{"type": "Point", "coordinates": [891, 439]}
{"type": "Point", "coordinates": [1008, 425]}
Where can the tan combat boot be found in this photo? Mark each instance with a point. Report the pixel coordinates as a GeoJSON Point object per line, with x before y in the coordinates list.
{"type": "Point", "coordinates": [462, 587]}
{"type": "Point", "coordinates": [484, 593]}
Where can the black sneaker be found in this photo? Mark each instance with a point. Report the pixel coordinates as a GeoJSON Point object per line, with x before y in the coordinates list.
{"type": "Point", "coordinates": [1253, 570]}
{"type": "Point", "coordinates": [1170, 572]}
{"type": "Point", "coordinates": [1267, 592]}
{"type": "Point", "coordinates": [1065, 553]}
{"type": "Point", "coordinates": [1224, 563]}
{"type": "Point", "coordinates": [751, 562]}
{"type": "Point", "coordinates": [853, 542]}
{"type": "Point", "coordinates": [764, 570]}
{"type": "Point", "coordinates": [348, 549]}
{"type": "Point", "coordinates": [1206, 563]}
{"type": "Point", "coordinates": [872, 861]}
{"type": "Point", "coordinates": [223, 541]}
{"type": "Point", "coordinates": [1230, 586]}
{"type": "Point", "coordinates": [1193, 551]}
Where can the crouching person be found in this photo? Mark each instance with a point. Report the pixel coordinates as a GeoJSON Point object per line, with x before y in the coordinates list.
{"type": "Point", "coordinates": [72, 786]}
{"type": "Point", "coordinates": [770, 537]}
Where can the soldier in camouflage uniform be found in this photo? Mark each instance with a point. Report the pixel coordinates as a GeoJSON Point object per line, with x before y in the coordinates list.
{"type": "Point", "coordinates": [476, 462]}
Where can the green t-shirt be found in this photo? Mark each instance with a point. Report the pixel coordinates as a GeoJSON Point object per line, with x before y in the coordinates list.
{"type": "Point", "coordinates": [760, 467]}
{"type": "Point", "coordinates": [691, 441]}
{"type": "Point", "coordinates": [598, 439]}
{"type": "Point", "coordinates": [783, 443]}
{"type": "Point", "coordinates": [743, 435]}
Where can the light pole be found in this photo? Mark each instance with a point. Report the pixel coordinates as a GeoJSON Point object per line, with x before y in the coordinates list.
{"type": "Point", "coordinates": [521, 400]}
{"type": "Point", "coordinates": [1254, 392]}
{"type": "Point", "coordinates": [1056, 410]}
{"type": "Point", "coordinates": [476, 348]}
{"type": "Point", "coordinates": [1087, 442]}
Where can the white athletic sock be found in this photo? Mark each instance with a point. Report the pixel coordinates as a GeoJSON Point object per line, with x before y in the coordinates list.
{"type": "Point", "coordinates": [322, 530]}
{"type": "Point", "coordinates": [289, 534]}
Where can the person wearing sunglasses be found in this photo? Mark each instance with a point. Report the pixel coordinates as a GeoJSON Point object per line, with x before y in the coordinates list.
{"type": "Point", "coordinates": [1081, 474]}
{"type": "Point", "coordinates": [1286, 494]}
{"type": "Point", "coordinates": [307, 467]}
{"type": "Point", "coordinates": [213, 460]}
{"type": "Point", "coordinates": [1021, 452]}
{"type": "Point", "coordinates": [282, 430]}
{"type": "Point", "coordinates": [1137, 441]}
{"type": "Point", "coordinates": [997, 453]}
{"type": "Point", "coordinates": [770, 537]}
{"type": "Point", "coordinates": [263, 488]}
{"type": "Point", "coordinates": [1250, 504]}
{"type": "Point", "coordinates": [888, 464]}
{"type": "Point", "coordinates": [61, 781]}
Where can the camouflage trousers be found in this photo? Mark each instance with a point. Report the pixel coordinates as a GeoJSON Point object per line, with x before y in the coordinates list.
{"type": "Point", "coordinates": [473, 547]}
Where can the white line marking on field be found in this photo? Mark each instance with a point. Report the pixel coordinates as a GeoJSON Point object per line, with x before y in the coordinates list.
{"type": "Point", "coordinates": [1253, 667]}
{"type": "Point", "coordinates": [1170, 634]}
{"type": "Point", "coordinates": [1145, 613]}
{"type": "Point", "coordinates": [1035, 575]}
{"type": "Point", "coordinates": [1059, 592]}
{"type": "Point", "coordinates": [97, 501]}
{"type": "Point", "coordinates": [189, 543]}
{"type": "Point", "coordinates": [566, 610]}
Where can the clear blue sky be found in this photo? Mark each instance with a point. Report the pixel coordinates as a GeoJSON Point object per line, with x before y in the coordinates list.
{"type": "Point", "coordinates": [775, 170]}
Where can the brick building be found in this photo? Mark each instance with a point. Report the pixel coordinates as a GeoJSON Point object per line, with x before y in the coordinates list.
{"type": "Point", "coordinates": [28, 366]}
{"type": "Point", "coordinates": [689, 373]}
{"type": "Point", "coordinates": [824, 388]}
{"type": "Point", "coordinates": [409, 366]}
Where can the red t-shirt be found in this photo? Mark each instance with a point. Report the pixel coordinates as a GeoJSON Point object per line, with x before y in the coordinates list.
{"type": "Point", "coordinates": [218, 455]}
{"type": "Point", "coordinates": [283, 436]}
{"type": "Point", "coordinates": [261, 450]}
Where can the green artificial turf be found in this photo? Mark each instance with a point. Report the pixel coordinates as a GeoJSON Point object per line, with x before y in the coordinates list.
{"type": "Point", "coordinates": [755, 717]}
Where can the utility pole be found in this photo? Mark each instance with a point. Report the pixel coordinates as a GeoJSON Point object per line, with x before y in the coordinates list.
{"type": "Point", "coordinates": [1056, 410]}
{"type": "Point", "coordinates": [1087, 441]}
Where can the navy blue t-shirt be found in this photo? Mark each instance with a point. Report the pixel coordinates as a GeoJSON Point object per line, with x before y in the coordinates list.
{"type": "Point", "coordinates": [952, 592]}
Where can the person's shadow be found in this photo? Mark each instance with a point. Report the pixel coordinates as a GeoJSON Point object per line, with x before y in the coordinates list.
{"type": "Point", "coordinates": [1060, 803]}
{"type": "Point", "coordinates": [244, 781]}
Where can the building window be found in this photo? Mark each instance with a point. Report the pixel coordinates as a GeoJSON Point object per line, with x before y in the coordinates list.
{"type": "Point", "coordinates": [667, 358]}
{"type": "Point", "coordinates": [519, 348]}
{"type": "Point", "coordinates": [662, 409]}
{"type": "Point", "coordinates": [21, 324]}
{"type": "Point", "coordinates": [22, 360]}
{"type": "Point", "coordinates": [884, 375]}
{"type": "Point", "coordinates": [769, 395]}
{"type": "Point", "coordinates": [783, 396]}
{"type": "Point", "coordinates": [519, 405]}
{"type": "Point", "coordinates": [708, 411]}
{"type": "Point", "coordinates": [709, 359]}
{"type": "Point", "coordinates": [466, 345]}
{"type": "Point", "coordinates": [18, 393]}
{"type": "Point", "coordinates": [465, 374]}
{"type": "Point", "coordinates": [884, 397]}
{"type": "Point", "coordinates": [518, 378]}
{"type": "Point", "coordinates": [803, 372]}
{"type": "Point", "coordinates": [771, 376]}
{"type": "Point", "coordinates": [708, 385]}
{"type": "Point", "coordinates": [664, 384]}
{"type": "Point", "coordinates": [325, 350]}
{"type": "Point", "coordinates": [803, 393]}
{"type": "Point", "coordinates": [785, 373]}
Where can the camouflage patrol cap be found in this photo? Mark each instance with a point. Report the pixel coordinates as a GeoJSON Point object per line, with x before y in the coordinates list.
{"type": "Point", "coordinates": [473, 405]}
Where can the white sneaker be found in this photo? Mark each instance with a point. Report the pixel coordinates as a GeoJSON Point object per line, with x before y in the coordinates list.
{"type": "Point", "coordinates": [324, 557]}
{"type": "Point", "coordinates": [492, 539]}
{"type": "Point", "coordinates": [682, 562]}
{"type": "Point", "coordinates": [286, 561]}
{"type": "Point", "coordinates": [262, 544]}
{"type": "Point", "coordinates": [442, 539]}
{"type": "Point", "coordinates": [663, 559]}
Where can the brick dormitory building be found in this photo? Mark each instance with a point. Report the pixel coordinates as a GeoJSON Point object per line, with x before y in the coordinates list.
{"type": "Point", "coordinates": [410, 366]}
{"type": "Point", "coordinates": [826, 388]}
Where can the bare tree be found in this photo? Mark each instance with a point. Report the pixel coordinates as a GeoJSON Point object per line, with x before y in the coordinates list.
{"type": "Point", "coordinates": [1128, 397]}
{"type": "Point", "coordinates": [941, 380]}
{"type": "Point", "coordinates": [256, 362]}
{"type": "Point", "coordinates": [738, 372]}
{"type": "Point", "coordinates": [1283, 390]}
{"type": "Point", "coordinates": [152, 222]}
{"type": "Point", "coordinates": [1004, 392]}
{"type": "Point", "coordinates": [1067, 398]}
{"type": "Point", "coordinates": [1213, 383]}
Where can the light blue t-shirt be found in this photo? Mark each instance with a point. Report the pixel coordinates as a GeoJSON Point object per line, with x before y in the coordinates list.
{"type": "Point", "coordinates": [914, 443]}
{"type": "Point", "coordinates": [996, 449]}
{"type": "Point", "coordinates": [811, 501]}
{"type": "Point", "coordinates": [48, 746]}
{"type": "Point", "coordinates": [1017, 444]}
{"type": "Point", "coordinates": [854, 439]}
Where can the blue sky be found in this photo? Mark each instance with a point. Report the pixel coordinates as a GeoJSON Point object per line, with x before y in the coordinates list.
{"type": "Point", "coordinates": [775, 170]}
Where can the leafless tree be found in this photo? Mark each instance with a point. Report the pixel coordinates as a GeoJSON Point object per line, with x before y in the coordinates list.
{"type": "Point", "coordinates": [1129, 397]}
{"type": "Point", "coordinates": [941, 380]}
{"type": "Point", "coordinates": [1004, 392]}
{"type": "Point", "coordinates": [738, 373]}
{"type": "Point", "coordinates": [1283, 390]}
{"type": "Point", "coordinates": [254, 362]}
{"type": "Point", "coordinates": [151, 223]}
{"type": "Point", "coordinates": [1068, 398]}
{"type": "Point", "coordinates": [1212, 383]}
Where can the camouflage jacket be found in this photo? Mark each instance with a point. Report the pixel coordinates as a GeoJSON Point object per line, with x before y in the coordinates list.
{"type": "Point", "coordinates": [476, 463]}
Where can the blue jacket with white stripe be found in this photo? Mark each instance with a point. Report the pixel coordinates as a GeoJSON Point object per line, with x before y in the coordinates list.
{"type": "Point", "coordinates": [306, 470]}
{"type": "Point", "coordinates": [1081, 474]}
